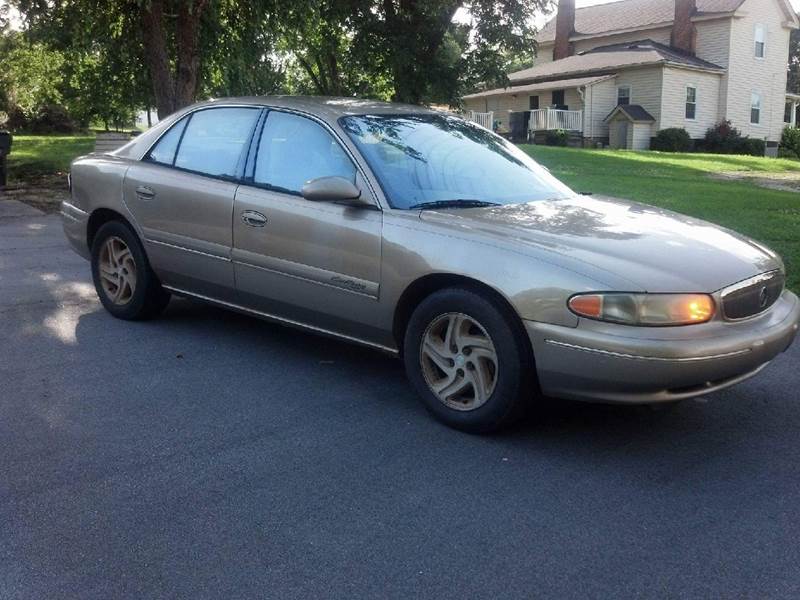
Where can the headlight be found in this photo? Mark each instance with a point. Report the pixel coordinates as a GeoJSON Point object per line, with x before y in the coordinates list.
{"type": "Point", "coordinates": [644, 309]}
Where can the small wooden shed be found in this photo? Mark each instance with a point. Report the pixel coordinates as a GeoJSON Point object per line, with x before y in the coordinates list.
{"type": "Point", "coordinates": [630, 127]}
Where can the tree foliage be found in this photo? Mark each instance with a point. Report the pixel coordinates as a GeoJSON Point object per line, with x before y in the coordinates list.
{"type": "Point", "coordinates": [121, 55]}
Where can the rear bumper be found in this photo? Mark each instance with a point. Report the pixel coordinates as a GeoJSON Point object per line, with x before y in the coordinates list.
{"type": "Point", "coordinates": [75, 222]}
{"type": "Point", "coordinates": [607, 363]}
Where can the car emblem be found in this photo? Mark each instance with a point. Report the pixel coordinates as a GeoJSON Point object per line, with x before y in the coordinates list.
{"type": "Point", "coordinates": [763, 297]}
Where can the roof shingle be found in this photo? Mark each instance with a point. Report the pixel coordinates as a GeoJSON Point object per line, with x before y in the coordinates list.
{"type": "Point", "coordinates": [635, 112]}
{"type": "Point", "coordinates": [607, 58]}
{"type": "Point", "coordinates": [630, 14]}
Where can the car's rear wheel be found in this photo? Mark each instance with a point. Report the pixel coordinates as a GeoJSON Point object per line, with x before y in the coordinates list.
{"type": "Point", "coordinates": [464, 355]}
{"type": "Point", "coordinates": [126, 285]}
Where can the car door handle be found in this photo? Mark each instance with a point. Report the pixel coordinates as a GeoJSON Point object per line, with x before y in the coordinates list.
{"type": "Point", "coordinates": [145, 193]}
{"type": "Point", "coordinates": [253, 218]}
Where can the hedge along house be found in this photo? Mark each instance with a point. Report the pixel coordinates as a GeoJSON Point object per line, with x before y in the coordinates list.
{"type": "Point", "coordinates": [684, 63]}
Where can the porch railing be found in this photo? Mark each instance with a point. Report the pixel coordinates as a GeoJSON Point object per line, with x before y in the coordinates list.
{"type": "Point", "coordinates": [546, 119]}
{"type": "Point", "coordinates": [483, 119]}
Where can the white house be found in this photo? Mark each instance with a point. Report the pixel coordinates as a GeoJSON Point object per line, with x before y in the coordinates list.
{"type": "Point", "coordinates": [674, 63]}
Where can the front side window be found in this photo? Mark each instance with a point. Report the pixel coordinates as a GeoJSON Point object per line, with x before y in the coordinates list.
{"type": "Point", "coordinates": [559, 99]}
{"type": "Point", "coordinates": [164, 150]}
{"type": "Point", "coordinates": [214, 140]}
{"type": "Point", "coordinates": [691, 102]}
{"type": "Point", "coordinates": [760, 41]}
{"type": "Point", "coordinates": [623, 95]}
{"type": "Point", "coordinates": [755, 108]}
{"type": "Point", "coordinates": [294, 150]}
{"type": "Point", "coordinates": [421, 158]}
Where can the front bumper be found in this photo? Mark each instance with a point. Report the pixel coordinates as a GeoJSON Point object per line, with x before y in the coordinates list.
{"type": "Point", "coordinates": [604, 362]}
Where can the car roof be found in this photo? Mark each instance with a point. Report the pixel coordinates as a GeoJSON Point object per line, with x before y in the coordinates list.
{"type": "Point", "coordinates": [331, 107]}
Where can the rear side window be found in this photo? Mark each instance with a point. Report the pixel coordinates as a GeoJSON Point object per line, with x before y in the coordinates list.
{"type": "Point", "coordinates": [214, 140]}
{"type": "Point", "coordinates": [294, 150]}
{"type": "Point", "coordinates": [164, 151]}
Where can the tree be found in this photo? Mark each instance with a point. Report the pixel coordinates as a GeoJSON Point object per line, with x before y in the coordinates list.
{"type": "Point", "coordinates": [422, 45]}
{"type": "Point", "coordinates": [318, 39]}
{"type": "Point", "coordinates": [176, 87]}
{"type": "Point", "coordinates": [168, 37]}
{"type": "Point", "coordinates": [29, 74]}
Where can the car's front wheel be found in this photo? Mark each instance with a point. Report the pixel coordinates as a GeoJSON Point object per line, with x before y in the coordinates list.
{"type": "Point", "coordinates": [467, 360]}
{"type": "Point", "coordinates": [126, 285]}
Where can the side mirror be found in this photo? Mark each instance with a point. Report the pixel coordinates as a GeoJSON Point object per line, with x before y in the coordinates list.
{"type": "Point", "coordinates": [333, 189]}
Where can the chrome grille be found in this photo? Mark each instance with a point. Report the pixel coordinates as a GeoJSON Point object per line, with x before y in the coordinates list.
{"type": "Point", "coordinates": [752, 296]}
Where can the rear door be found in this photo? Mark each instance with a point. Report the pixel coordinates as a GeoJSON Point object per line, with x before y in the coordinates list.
{"type": "Point", "coordinates": [181, 195]}
{"type": "Point", "coordinates": [314, 262]}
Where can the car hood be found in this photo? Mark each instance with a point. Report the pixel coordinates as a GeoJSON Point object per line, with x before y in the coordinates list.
{"type": "Point", "coordinates": [655, 250]}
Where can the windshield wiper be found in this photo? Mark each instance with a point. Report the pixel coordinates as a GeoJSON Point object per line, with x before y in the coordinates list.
{"type": "Point", "coordinates": [455, 203]}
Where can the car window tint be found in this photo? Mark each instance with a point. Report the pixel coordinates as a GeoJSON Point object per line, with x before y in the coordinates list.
{"type": "Point", "coordinates": [294, 150]}
{"type": "Point", "coordinates": [214, 140]}
{"type": "Point", "coordinates": [164, 151]}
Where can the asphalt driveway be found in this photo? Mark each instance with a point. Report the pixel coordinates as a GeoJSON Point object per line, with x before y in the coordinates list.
{"type": "Point", "coordinates": [210, 455]}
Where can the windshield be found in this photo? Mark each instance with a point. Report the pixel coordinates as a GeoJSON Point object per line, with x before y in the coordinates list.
{"type": "Point", "coordinates": [428, 158]}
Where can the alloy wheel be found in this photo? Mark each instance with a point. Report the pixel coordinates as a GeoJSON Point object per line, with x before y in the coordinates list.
{"type": "Point", "coordinates": [459, 361]}
{"type": "Point", "coordinates": [117, 270]}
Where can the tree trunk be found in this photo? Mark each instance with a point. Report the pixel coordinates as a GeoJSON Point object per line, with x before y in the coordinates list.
{"type": "Point", "coordinates": [173, 91]}
{"type": "Point", "coordinates": [155, 45]}
{"type": "Point", "coordinates": [188, 38]}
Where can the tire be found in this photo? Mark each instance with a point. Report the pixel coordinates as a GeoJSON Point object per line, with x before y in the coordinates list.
{"type": "Point", "coordinates": [479, 325]}
{"type": "Point", "coordinates": [138, 294]}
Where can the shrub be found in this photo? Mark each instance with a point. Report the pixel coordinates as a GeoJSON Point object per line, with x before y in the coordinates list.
{"type": "Point", "coordinates": [556, 137]}
{"type": "Point", "coordinates": [751, 146]}
{"type": "Point", "coordinates": [722, 138]}
{"type": "Point", "coordinates": [790, 142]}
{"type": "Point", "coordinates": [672, 139]}
{"type": "Point", "coordinates": [17, 119]}
{"type": "Point", "coordinates": [52, 118]}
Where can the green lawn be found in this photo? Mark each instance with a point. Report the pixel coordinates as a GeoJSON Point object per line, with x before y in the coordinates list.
{"type": "Point", "coordinates": [681, 182]}
{"type": "Point", "coordinates": [34, 156]}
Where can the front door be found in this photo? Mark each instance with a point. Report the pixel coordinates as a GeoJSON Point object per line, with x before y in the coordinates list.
{"type": "Point", "coordinates": [317, 263]}
{"type": "Point", "coordinates": [182, 199]}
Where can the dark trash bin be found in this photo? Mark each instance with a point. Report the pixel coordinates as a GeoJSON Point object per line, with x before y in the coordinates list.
{"type": "Point", "coordinates": [518, 124]}
{"type": "Point", "coordinates": [5, 150]}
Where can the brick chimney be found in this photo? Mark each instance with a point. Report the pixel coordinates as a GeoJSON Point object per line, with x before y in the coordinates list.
{"type": "Point", "coordinates": [565, 27]}
{"type": "Point", "coordinates": [684, 33]}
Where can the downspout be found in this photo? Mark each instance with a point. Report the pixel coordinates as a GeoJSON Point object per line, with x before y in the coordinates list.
{"type": "Point", "coordinates": [582, 94]}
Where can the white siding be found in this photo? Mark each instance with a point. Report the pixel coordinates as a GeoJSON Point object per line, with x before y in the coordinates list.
{"type": "Point", "coordinates": [544, 54]}
{"type": "Point", "coordinates": [748, 74]}
{"type": "Point", "coordinates": [601, 98]}
{"type": "Point", "coordinates": [639, 135]}
{"type": "Point", "coordinates": [646, 87]}
{"type": "Point", "coordinates": [673, 108]}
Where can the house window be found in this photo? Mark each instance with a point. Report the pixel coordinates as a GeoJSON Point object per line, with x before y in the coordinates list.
{"type": "Point", "coordinates": [691, 102]}
{"type": "Point", "coordinates": [760, 41]}
{"type": "Point", "coordinates": [623, 95]}
{"type": "Point", "coordinates": [559, 100]}
{"type": "Point", "coordinates": [787, 112]}
{"type": "Point", "coordinates": [533, 103]}
{"type": "Point", "coordinates": [755, 108]}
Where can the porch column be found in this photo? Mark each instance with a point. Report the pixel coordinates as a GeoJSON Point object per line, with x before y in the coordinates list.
{"type": "Point", "coordinates": [793, 119]}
